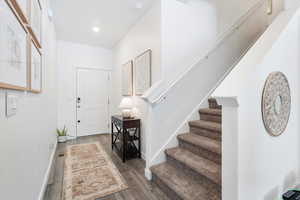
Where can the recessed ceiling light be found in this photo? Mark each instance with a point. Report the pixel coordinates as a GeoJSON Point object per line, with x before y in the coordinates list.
{"type": "Point", "coordinates": [96, 29]}
{"type": "Point", "coordinates": [139, 5]}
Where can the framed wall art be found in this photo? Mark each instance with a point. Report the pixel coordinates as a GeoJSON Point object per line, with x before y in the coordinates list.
{"type": "Point", "coordinates": [36, 67]}
{"type": "Point", "coordinates": [22, 8]}
{"type": "Point", "coordinates": [142, 66]}
{"type": "Point", "coordinates": [127, 79]}
{"type": "Point", "coordinates": [35, 25]}
{"type": "Point", "coordinates": [13, 48]}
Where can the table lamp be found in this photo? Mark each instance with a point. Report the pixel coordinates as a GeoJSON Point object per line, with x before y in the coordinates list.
{"type": "Point", "coordinates": [126, 106]}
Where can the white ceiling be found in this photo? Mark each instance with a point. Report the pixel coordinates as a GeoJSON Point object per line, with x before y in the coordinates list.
{"type": "Point", "coordinates": [74, 19]}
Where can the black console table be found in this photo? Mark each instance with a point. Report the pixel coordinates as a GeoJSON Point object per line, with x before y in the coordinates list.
{"type": "Point", "coordinates": [127, 139]}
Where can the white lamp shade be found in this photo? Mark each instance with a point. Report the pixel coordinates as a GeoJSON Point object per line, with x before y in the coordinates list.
{"type": "Point", "coordinates": [126, 103]}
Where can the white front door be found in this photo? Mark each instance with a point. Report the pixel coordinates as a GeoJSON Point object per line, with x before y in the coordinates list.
{"type": "Point", "coordinates": [92, 102]}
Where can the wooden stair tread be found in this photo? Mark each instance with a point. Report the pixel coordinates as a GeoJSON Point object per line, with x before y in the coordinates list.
{"type": "Point", "coordinates": [206, 168]}
{"type": "Point", "coordinates": [211, 99]}
{"type": "Point", "coordinates": [183, 185]}
{"type": "Point", "coordinates": [208, 125]}
{"type": "Point", "coordinates": [203, 142]}
{"type": "Point", "coordinates": [211, 111]}
{"type": "Point", "coordinates": [214, 104]}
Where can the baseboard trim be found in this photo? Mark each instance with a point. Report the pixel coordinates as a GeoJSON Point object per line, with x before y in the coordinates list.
{"type": "Point", "coordinates": [47, 174]}
{"type": "Point", "coordinates": [148, 174]}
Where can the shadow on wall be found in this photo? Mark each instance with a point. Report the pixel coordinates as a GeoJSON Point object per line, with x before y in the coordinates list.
{"type": "Point", "coordinates": [289, 182]}
{"type": "Point", "coordinates": [272, 194]}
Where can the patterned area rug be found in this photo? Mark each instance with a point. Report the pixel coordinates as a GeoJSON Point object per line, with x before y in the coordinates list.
{"type": "Point", "coordinates": [90, 174]}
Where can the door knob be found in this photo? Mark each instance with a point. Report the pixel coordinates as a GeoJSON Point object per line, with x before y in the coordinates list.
{"type": "Point", "coordinates": [78, 121]}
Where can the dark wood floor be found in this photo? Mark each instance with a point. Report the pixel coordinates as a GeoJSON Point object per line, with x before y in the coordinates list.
{"type": "Point", "coordinates": [132, 171]}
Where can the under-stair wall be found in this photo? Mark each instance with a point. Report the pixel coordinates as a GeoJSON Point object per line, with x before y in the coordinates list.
{"type": "Point", "coordinates": [171, 108]}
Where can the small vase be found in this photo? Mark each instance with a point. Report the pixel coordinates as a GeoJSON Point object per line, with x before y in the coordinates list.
{"type": "Point", "coordinates": [62, 139]}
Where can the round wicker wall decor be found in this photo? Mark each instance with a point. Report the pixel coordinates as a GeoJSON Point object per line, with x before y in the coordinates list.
{"type": "Point", "coordinates": [276, 103]}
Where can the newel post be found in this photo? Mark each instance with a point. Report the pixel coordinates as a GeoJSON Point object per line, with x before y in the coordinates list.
{"type": "Point", "coordinates": [230, 168]}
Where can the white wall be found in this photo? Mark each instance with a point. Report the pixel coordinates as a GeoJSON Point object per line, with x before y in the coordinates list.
{"type": "Point", "coordinates": [144, 35]}
{"type": "Point", "coordinates": [27, 139]}
{"type": "Point", "coordinates": [229, 11]}
{"type": "Point", "coordinates": [71, 56]}
{"type": "Point", "coordinates": [188, 30]}
{"type": "Point", "coordinates": [292, 4]}
{"type": "Point", "coordinates": [226, 16]}
{"type": "Point", "coordinates": [267, 165]}
{"type": "Point", "coordinates": [198, 25]}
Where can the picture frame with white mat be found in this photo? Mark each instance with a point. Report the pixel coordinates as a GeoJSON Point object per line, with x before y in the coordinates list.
{"type": "Point", "coordinates": [143, 72]}
{"type": "Point", "coordinates": [127, 78]}
{"type": "Point", "coordinates": [35, 22]}
{"type": "Point", "coordinates": [22, 8]}
{"type": "Point", "coordinates": [13, 48]}
{"type": "Point", "coordinates": [35, 67]}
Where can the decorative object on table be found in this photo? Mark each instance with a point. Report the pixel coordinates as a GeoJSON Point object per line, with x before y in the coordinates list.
{"type": "Point", "coordinates": [142, 66]}
{"type": "Point", "coordinates": [35, 83]}
{"type": "Point", "coordinates": [276, 103]}
{"type": "Point", "coordinates": [22, 8]}
{"type": "Point", "coordinates": [135, 112]}
{"type": "Point", "coordinates": [127, 139]}
{"type": "Point", "coordinates": [127, 79]}
{"type": "Point", "coordinates": [62, 135]}
{"type": "Point", "coordinates": [35, 23]}
{"type": "Point", "coordinates": [89, 173]}
{"type": "Point", "coordinates": [13, 48]}
{"type": "Point", "coordinates": [126, 106]}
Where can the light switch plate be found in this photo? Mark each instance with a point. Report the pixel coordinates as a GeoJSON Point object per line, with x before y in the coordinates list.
{"type": "Point", "coordinates": [11, 104]}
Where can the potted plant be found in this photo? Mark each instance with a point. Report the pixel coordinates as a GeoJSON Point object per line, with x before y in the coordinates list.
{"type": "Point", "coordinates": [62, 134]}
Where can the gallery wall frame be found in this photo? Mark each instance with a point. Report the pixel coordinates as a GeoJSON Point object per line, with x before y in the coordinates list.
{"type": "Point", "coordinates": [13, 57]}
{"type": "Point", "coordinates": [22, 8]}
{"type": "Point", "coordinates": [143, 72]}
{"type": "Point", "coordinates": [127, 78]}
{"type": "Point", "coordinates": [35, 22]}
{"type": "Point", "coordinates": [35, 73]}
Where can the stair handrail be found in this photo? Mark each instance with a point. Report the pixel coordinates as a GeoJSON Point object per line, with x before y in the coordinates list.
{"type": "Point", "coordinates": [221, 39]}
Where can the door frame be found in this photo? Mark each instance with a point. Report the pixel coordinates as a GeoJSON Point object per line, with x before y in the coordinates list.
{"type": "Point", "coordinates": [109, 71]}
